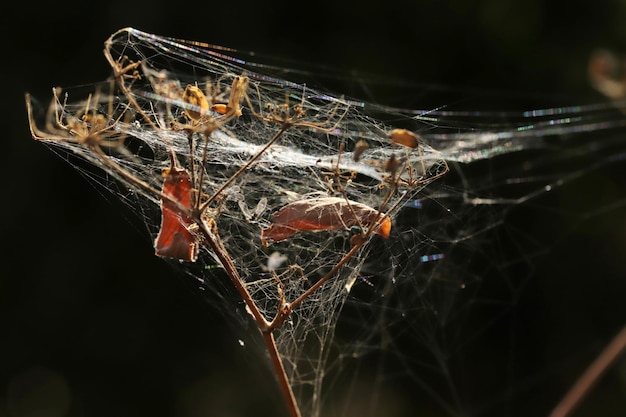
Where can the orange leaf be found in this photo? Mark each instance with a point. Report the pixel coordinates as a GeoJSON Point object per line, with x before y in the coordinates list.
{"type": "Point", "coordinates": [325, 213]}
{"type": "Point", "coordinates": [175, 240]}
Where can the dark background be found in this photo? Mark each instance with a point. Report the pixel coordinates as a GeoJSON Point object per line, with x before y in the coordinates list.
{"type": "Point", "coordinates": [91, 322]}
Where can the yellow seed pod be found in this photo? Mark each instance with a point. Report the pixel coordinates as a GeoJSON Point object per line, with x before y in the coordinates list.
{"type": "Point", "coordinates": [220, 108]}
{"type": "Point", "coordinates": [404, 137]}
{"type": "Point", "coordinates": [196, 98]}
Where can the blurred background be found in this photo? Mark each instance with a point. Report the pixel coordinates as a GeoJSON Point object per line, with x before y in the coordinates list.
{"type": "Point", "coordinates": [94, 325]}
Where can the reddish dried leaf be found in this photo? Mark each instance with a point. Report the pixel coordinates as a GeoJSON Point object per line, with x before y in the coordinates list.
{"type": "Point", "coordinates": [326, 213]}
{"type": "Point", "coordinates": [175, 240]}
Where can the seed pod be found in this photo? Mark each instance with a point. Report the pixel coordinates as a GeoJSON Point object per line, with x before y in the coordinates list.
{"type": "Point", "coordinates": [361, 146]}
{"type": "Point", "coordinates": [404, 137]}
{"type": "Point", "coordinates": [198, 103]}
{"type": "Point", "coordinates": [220, 108]}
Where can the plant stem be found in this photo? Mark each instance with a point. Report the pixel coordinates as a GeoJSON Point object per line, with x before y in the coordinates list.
{"type": "Point", "coordinates": [245, 166]}
{"type": "Point", "coordinates": [326, 277]}
{"type": "Point", "coordinates": [283, 381]}
{"type": "Point", "coordinates": [218, 249]}
{"type": "Point", "coordinates": [591, 376]}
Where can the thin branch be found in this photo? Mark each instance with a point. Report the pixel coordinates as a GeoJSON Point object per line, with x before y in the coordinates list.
{"type": "Point", "coordinates": [266, 330]}
{"type": "Point", "coordinates": [283, 381]}
{"type": "Point", "coordinates": [216, 246]}
{"type": "Point", "coordinates": [245, 166]}
{"type": "Point", "coordinates": [591, 376]}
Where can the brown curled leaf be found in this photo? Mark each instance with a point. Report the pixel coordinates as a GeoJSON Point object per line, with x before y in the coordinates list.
{"type": "Point", "coordinates": [175, 239]}
{"type": "Point", "coordinates": [325, 213]}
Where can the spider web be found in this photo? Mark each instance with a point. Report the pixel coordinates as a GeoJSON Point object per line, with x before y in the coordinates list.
{"type": "Point", "coordinates": [421, 288]}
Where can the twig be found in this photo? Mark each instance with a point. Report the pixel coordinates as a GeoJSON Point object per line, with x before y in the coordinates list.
{"type": "Point", "coordinates": [591, 376]}
{"type": "Point", "coordinates": [283, 381]}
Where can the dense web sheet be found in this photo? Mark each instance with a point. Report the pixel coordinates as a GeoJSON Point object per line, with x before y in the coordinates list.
{"type": "Point", "coordinates": [252, 143]}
